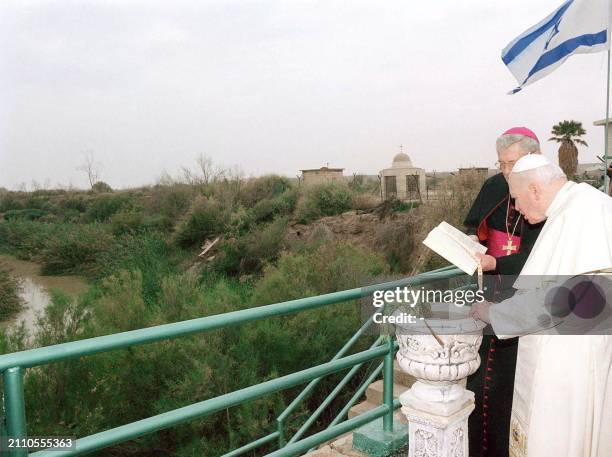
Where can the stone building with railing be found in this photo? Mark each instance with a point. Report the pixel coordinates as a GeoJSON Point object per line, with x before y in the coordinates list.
{"type": "Point", "coordinates": [321, 175]}
{"type": "Point", "coordinates": [403, 180]}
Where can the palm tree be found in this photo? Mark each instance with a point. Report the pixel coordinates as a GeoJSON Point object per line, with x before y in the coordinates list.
{"type": "Point", "coordinates": [567, 133]}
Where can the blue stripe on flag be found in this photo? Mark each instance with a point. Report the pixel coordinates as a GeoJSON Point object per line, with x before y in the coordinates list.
{"type": "Point", "coordinates": [521, 44]}
{"type": "Point", "coordinates": [565, 49]}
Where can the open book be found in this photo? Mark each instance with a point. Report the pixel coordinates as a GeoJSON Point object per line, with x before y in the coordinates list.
{"type": "Point", "coordinates": [455, 246]}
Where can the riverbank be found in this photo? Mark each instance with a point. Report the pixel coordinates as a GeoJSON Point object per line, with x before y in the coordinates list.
{"type": "Point", "coordinates": [34, 289]}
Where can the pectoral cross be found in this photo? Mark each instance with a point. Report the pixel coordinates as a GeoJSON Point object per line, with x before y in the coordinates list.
{"type": "Point", "coordinates": [509, 247]}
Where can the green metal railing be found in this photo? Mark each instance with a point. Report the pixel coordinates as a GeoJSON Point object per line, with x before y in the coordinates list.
{"type": "Point", "coordinates": [13, 366]}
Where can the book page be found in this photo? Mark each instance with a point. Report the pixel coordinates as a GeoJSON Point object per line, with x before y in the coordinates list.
{"type": "Point", "coordinates": [469, 244]}
{"type": "Point", "coordinates": [455, 246]}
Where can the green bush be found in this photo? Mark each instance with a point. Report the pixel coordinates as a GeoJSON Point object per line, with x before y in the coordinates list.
{"type": "Point", "coordinates": [10, 301]}
{"type": "Point", "coordinates": [264, 187]}
{"type": "Point", "coordinates": [305, 339]}
{"type": "Point", "coordinates": [398, 241]}
{"type": "Point", "coordinates": [74, 249]}
{"type": "Point", "coordinates": [76, 203]}
{"type": "Point", "coordinates": [102, 208]}
{"type": "Point", "coordinates": [317, 270]}
{"type": "Point", "coordinates": [170, 202]}
{"type": "Point", "coordinates": [30, 214]}
{"type": "Point", "coordinates": [37, 201]}
{"type": "Point", "coordinates": [206, 218]}
{"type": "Point", "coordinates": [25, 239]}
{"type": "Point", "coordinates": [147, 253]}
{"type": "Point", "coordinates": [267, 209]}
{"type": "Point", "coordinates": [323, 200]}
{"type": "Point", "coordinates": [127, 222]}
{"type": "Point", "coordinates": [10, 201]}
{"type": "Point", "coordinates": [248, 254]}
{"type": "Point", "coordinates": [400, 206]}
{"type": "Point", "coordinates": [101, 187]}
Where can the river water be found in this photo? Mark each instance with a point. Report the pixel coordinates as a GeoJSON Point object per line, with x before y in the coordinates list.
{"type": "Point", "coordinates": [35, 288]}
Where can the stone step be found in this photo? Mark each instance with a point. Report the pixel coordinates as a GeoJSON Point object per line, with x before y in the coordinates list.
{"type": "Point", "coordinates": [341, 447]}
{"type": "Point", "coordinates": [366, 406]}
{"type": "Point", "coordinates": [361, 408]}
{"type": "Point", "coordinates": [374, 392]}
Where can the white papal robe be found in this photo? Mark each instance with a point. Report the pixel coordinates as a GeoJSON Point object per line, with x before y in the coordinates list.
{"type": "Point", "coordinates": [562, 405]}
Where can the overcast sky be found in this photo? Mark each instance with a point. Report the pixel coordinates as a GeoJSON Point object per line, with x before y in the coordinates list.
{"type": "Point", "coordinates": [271, 86]}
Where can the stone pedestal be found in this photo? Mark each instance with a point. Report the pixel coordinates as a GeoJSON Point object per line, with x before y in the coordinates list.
{"type": "Point", "coordinates": [440, 353]}
{"type": "Point", "coordinates": [437, 428]}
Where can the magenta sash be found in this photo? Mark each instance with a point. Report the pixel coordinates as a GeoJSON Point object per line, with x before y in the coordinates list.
{"type": "Point", "coordinates": [497, 244]}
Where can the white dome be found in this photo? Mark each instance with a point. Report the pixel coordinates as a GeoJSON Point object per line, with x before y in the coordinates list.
{"type": "Point", "coordinates": [401, 160]}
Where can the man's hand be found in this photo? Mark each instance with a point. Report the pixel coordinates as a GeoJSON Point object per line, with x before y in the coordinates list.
{"type": "Point", "coordinates": [488, 262]}
{"type": "Point", "coordinates": [480, 311]}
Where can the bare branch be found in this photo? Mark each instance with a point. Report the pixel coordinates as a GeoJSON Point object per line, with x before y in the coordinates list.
{"type": "Point", "coordinates": [90, 168]}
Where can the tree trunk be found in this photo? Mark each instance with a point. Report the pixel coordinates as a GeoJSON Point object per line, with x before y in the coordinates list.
{"type": "Point", "coordinates": [568, 158]}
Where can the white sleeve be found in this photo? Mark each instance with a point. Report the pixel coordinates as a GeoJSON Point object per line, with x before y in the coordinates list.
{"type": "Point", "coordinates": [522, 314]}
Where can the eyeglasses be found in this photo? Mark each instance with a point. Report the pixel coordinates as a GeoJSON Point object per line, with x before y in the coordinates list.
{"type": "Point", "coordinates": [501, 165]}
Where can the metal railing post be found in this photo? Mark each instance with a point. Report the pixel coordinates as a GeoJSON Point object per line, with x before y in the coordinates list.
{"type": "Point", "coordinates": [14, 407]}
{"type": "Point", "coordinates": [280, 427]}
{"type": "Point", "coordinates": [388, 385]}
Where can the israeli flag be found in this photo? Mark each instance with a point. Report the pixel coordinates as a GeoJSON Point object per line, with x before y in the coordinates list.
{"type": "Point", "coordinates": [576, 27]}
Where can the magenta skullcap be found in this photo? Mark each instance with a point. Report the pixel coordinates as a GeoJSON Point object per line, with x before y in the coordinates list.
{"type": "Point", "coordinates": [521, 131]}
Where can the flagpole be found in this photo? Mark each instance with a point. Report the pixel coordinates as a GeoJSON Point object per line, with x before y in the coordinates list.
{"type": "Point", "coordinates": [605, 172]}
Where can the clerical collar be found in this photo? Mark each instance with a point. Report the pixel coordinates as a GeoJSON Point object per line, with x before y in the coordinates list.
{"type": "Point", "coordinates": [558, 200]}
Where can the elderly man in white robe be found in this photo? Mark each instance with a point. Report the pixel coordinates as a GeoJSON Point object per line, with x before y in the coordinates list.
{"type": "Point", "coordinates": [562, 404]}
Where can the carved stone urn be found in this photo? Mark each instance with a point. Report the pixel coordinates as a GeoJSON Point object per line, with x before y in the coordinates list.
{"type": "Point", "coordinates": [440, 352]}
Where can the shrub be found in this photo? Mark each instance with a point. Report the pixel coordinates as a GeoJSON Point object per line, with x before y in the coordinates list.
{"type": "Point", "coordinates": [148, 253]}
{"type": "Point", "coordinates": [122, 306]}
{"type": "Point", "coordinates": [74, 249]}
{"type": "Point", "coordinates": [10, 201]}
{"type": "Point", "coordinates": [103, 207]}
{"type": "Point", "coordinates": [171, 202]}
{"type": "Point", "coordinates": [297, 341]}
{"type": "Point", "coordinates": [328, 268]}
{"type": "Point", "coordinates": [179, 295]}
{"type": "Point", "coordinates": [240, 222]}
{"type": "Point", "coordinates": [29, 214]}
{"type": "Point", "coordinates": [73, 203]}
{"type": "Point", "coordinates": [127, 222]}
{"type": "Point", "coordinates": [101, 187]}
{"type": "Point", "coordinates": [282, 205]}
{"type": "Point", "coordinates": [10, 301]}
{"type": "Point", "coordinates": [248, 254]}
{"type": "Point", "coordinates": [25, 239]}
{"type": "Point", "coordinates": [323, 200]}
{"type": "Point", "coordinates": [400, 206]}
{"type": "Point", "coordinates": [206, 218]}
{"type": "Point", "coordinates": [398, 241]}
{"type": "Point", "coordinates": [35, 200]}
{"type": "Point", "coordinates": [264, 187]}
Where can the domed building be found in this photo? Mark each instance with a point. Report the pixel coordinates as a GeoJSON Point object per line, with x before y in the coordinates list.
{"type": "Point", "coordinates": [403, 180]}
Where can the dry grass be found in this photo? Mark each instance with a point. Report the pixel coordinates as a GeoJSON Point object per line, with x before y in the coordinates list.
{"type": "Point", "coordinates": [365, 201]}
{"type": "Point", "coordinates": [455, 197]}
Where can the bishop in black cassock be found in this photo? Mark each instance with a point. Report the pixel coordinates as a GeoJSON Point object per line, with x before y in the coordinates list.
{"type": "Point", "coordinates": [509, 238]}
